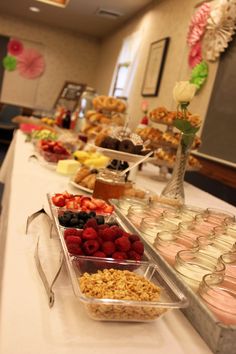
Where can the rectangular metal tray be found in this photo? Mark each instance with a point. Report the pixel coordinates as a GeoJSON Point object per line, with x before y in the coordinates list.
{"type": "Point", "coordinates": [219, 337]}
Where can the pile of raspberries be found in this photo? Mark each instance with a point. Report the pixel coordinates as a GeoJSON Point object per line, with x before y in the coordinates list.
{"type": "Point", "coordinates": [105, 241]}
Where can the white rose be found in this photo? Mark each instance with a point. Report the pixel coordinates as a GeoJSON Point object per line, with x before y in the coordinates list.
{"type": "Point", "coordinates": [184, 91]}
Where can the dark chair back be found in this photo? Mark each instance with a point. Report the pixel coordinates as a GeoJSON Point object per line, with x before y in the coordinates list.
{"type": "Point", "coordinates": [7, 113]}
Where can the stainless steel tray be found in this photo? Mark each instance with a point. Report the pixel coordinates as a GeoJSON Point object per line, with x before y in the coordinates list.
{"type": "Point", "coordinates": [219, 337]}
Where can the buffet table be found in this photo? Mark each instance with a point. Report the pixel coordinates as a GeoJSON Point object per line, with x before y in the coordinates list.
{"type": "Point", "coordinates": [28, 324]}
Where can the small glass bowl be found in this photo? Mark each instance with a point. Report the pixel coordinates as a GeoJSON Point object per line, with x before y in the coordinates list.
{"type": "Point", "coordinates": [213, 246]}
{"type": "Point", "coordinates": [150, 226]}
{"type": "Point", "coordinates": [193, 210]}
{"type": "Point", "coordinates": [229, 260]}
{"type": "Point", "coordinates": [107, 308]}
{"type": "Point", "coordinates": [137, 213]}
{"type": "Point", "coordinates": [219, 293]}
{"type": "Point", "coordinates": [196, 229]}
{"type": "Point", "coordinates": [124, 203]}
{"type": "Point", "coordinates": [219, 216]}
{"type": "Point", "coordinates": [168, 244]}
{"type": "Point", "coordinates": [177, 216]}
{"type": "Point", "coordinates": [193, 265]}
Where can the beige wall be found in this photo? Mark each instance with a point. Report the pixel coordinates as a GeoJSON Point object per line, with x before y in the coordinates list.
{"type": "Point", "coordinates": [68, 57]}
{"type": "Point", "coordinates": [166, 18]}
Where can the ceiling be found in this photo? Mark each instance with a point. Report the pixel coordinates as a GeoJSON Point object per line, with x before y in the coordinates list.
{"type": "Point", "coordinates": [79, 16]}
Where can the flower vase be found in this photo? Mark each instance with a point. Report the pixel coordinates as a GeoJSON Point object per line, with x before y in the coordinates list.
{"type": "Point", "coordinates": [174, 190]}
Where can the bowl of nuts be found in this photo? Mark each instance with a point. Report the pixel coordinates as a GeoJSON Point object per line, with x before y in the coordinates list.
{"type": "Point", "coordinates": [118, 290]}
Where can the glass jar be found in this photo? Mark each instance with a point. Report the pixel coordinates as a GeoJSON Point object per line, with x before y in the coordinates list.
{"type": "Point", "coordinates": [85, 105]}
{"type": "Point", "coordinates": [229, 260]}
{"type": "Point", "coordinates": [193, 210]}
{"type": "Point", "coordinates": [213, 246]}
{"type": "Point", "coordinates": [219, 293]}
{"type": "Point", "coordinates": [109, 185]}
{"type": "Point", "coordinates": [196, 229]}
{"type": "Point", "coordinates": [125, 203]}
{"type": "Point", "coordinates": [177, 216]}
{"type": "Point", "coordinates": [137, 213]}
{"type": "Point", "coordinates": [191, 265]}
{"type": "Point", "coordinates": [225, 234]}
{"type": "Point", "coordinates": [168, 244]}
{"type": "Point", "coordinates": [219, 216]}
{"type": "Point", "coordinates": [150, 226]}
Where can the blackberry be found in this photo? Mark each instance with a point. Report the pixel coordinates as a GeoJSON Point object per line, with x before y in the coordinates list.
{"type": "Point", "coordinates": [100, 219]}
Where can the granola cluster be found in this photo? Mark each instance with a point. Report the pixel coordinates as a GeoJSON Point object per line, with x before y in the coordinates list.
{"type": "Point", "coordinates": [120, 285]}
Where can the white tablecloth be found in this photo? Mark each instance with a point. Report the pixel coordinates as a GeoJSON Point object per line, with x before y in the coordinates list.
{"type": "Point", "coordinates": [27, 324]}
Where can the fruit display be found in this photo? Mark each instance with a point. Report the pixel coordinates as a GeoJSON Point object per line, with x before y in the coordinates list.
{"type": "Point", "coordinates": [44, 134]}
{"type": "Point", "coordinates": [91, 158]}
{"type": "Point", "coordinates": [104, 240]}
{"type": "Point", "coordinates": [48, 120]}
{"type": "Point", "coordinates": [81, 202]}
{"type": "Point", "coordinates": [53, 151]}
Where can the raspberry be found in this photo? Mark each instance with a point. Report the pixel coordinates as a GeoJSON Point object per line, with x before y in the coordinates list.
{"type": "Point", "coordinates": [107, 234]}
{"type": "Point", "coordinates": [122, 244]}
{"type": "Point", "coordinates": [99, 254]}
{"type": "Point", "coordinates": [108, 248]}
{"type": "Point", "coordinates": [133, 238]}
{"type": "Point", "coordinates": [75, 249]}
{"type": "Point", "coordinates": [138, 247]}
{"type": "Point", "coordinates": [119, 255]}
{"type": "Point", "coordinates": [103, 226]}
{"type": "Point", "coordinates": [90, 247]}
{"type": "Point", "coordinates": [73, 232]}
{"type": "Point", "coordinates": [118, 231]}
{"type": "Point", "coordinates": [89, 234]}
{"type": "Point", "coordinates": [71, 239]}
{"type": "Point", "coordinates": [134, 256]}
{"type": "Point", "coordinates": [91, 223]}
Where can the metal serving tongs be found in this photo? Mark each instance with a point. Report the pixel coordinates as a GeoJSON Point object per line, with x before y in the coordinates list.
{"type": "Point", "coordinates": [48, 286]}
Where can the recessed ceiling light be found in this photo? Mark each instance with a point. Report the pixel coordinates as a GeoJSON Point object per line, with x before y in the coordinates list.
{"type": "Point", "coordinates": [34, 9]}
{"type": "Point", "coordinates": [60, 3]}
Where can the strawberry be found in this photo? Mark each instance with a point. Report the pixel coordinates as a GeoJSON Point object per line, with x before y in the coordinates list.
{"type": "Point", "coordinates": [119, 255]}
{"type": "Point", "coordinates": [108, 248]}
{"type": "Point", "coordinates": [89, 234]}
{"type": "Point", "coordinates": [71, 204]}
{"type": "Point", "coordinates": [123, 244]}
{"type": "Point", "coordinates": [67, 195]}
{"type": "Point", "coordinates": [89, 205]}
{"type": "Point", "coordinates": [58, 201]}
{"type": "Point", "coordinates": [90, 247]}
{"type": "Point", "coordinates": [99, 203]}
{"type": "Point", "coordinates": [134, 256]}
{"type": "Point", "coordinates": [138, 247]}
{"type": "Point", "coordinates": [133, 238]}
{"type": "Point", "coordinates": [108, 209]}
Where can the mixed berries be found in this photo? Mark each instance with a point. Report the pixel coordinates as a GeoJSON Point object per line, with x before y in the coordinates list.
{"type": "Point", "coordinates": [103, 240]}
{"type": "Point", "coordinates": [81, 202]}
{"type": "Point", "coordinates": [79, 219]}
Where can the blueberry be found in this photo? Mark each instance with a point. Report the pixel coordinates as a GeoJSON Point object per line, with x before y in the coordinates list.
{"type": "Point", "coordinates": [73, 221]}
{"type": "Point", "coordinates": [82, 215]}
{"type": "Point", "coordinates": [100, 219]}
{"type": "Point", "coordinates": [92, 214]}
{"type": "Point", "coordinates": [63, 220]}
{"type": "Point", "coordinates": [113, 223]}
{"type": "Point", "coordinates": [80, 226]}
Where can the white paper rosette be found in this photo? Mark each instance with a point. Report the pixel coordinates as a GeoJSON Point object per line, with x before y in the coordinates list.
{"type": "Point", "coordinates": [221, 26]}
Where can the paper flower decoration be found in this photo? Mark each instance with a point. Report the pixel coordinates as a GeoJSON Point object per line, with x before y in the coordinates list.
{"type": "Point", "coordinates": [199, 74]}
{"type": "Point", "coordinates": [220, 28]}
{"type": "Point", "coordinates": [15, 47]}
{"type": "Point", "coordinates": [198, 24]}
{"type": "Point", "coordinates": [195, 55]}
{"type": "Point", "coordinates": [9, 63]}
{"type": "Point", "coordinates": [30, 64]}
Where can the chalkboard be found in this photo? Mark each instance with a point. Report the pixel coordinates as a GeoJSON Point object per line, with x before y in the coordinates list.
{"type": "Point", "coordinates": [219, 130]}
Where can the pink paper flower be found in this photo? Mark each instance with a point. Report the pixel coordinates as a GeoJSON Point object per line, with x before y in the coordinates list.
{"type": "Point", "coordinates": [31, 64]}
{"type": "Point", "coordinates": [15, 47]}
{"type": "Point", "coordinates": [195, 55]}
{"type": "Point", "coordinates": [198, 24]}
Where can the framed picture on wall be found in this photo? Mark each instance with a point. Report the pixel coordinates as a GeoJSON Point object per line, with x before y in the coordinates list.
{"type": "Point", "coordinates": [154, 67]}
